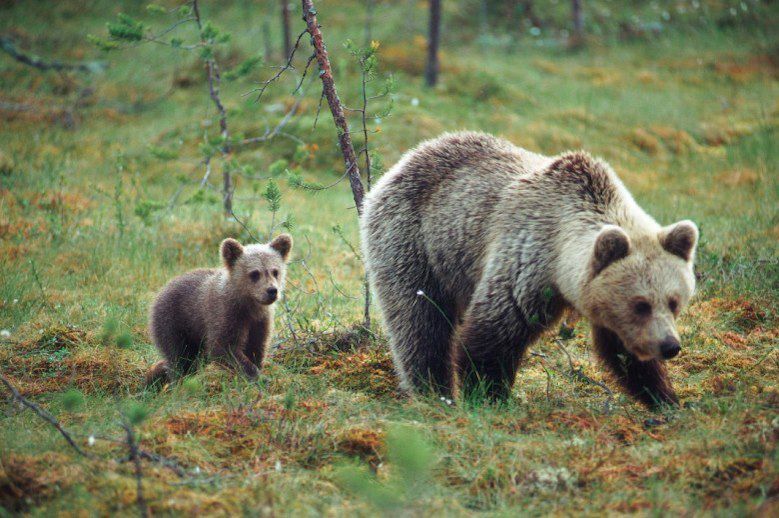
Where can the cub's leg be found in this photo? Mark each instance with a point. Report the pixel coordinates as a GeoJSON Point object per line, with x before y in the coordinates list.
{"type": "Point", "coordinates": [180, 354]}
{"type": "Point", "coordinates": [159, 374]}
{"type": "Point", "coordinates": [227, 349]}
{"type": "Point", "coordinates": [257, 342]}
{"type": "Point", "coordinates": [646, 381]}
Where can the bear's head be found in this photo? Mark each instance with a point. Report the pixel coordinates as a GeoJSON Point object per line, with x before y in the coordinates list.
{"type": "Point", "coordinates": [256, 272]}
{"type": "Point", "coordinates": [638, 286]}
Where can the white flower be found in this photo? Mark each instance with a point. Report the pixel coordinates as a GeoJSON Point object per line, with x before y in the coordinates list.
{"type": "Point", "coordinates": [91, 440]}
{"type": "Point", "coordinates": [197, 470]}
{"type": "Point", "coordinates": [420, 293]}
{"type": "Point", "coordinates": [414, 102]}
{"type": "Point", "coordinates": [278, 465]}
{"type": "Point", "coordinates": [5, 333]}
{"type": "Point", "coordinates": [16, 301]}
{"type": "Point", "coordinates": [377, 120]}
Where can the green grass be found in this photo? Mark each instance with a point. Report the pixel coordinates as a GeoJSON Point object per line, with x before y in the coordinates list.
{"type": "Point", "coordinates": [87, 236]}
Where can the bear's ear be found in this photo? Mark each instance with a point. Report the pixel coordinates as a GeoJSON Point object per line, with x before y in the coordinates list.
{"type": "Point", "coordinates": [611, 245]}
{"type": "Point", "coordinates": [680, 239]}
{"type": "Point", "coordinates": [231, 251]}
{"type": "Point", "coordinates": [282, 244]}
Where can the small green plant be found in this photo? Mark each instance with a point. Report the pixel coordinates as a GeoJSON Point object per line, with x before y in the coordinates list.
{"type": "Point", "coordinates": [411, 459]}
{"type": "Point", "coordinates": [124, 340]}
{"type": "Point", "coordinates": [108, 332]}
{"type": "Point", "coordinates": [135, 412]}
{"type": "Point", "coordinates": [192, 386]}
{"type": "Point", "coordinates": [72, 400]}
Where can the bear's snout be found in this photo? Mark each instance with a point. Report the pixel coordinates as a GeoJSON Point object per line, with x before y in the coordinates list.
{"type": "Point", "coordinates": [273, 293]}
{"type": "Point", "coordinates": [670, 347]}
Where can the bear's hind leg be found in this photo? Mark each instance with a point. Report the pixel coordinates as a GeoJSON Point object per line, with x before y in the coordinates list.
{"type": "Point", "coordinates": [180, 354]}
{"type": "Point", "coordinates": [646, 381]}
{"type": "Point", "coordinates": [420, 324]}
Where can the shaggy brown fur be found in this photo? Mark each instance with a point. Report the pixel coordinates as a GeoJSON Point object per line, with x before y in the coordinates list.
{"type": "Point", "coordinates": [224, 314]}
{"type": "Point", "coordinates": [474, 247]}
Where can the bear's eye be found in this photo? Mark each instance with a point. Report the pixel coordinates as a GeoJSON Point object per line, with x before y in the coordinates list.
{"type": "Point", "coordinates": [642, 308]}
{"type": "Point", "coordinates": [254, 275]}
{"type": "Point", "coordinates": [275, 273]}
{"type": "Point", "coordinates": [673, 305]}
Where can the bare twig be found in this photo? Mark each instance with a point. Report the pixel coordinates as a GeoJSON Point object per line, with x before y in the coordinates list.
{"type": "Point", "coordinates": [246, 228]}
{"type": "Point", "coordinates": [43, 414]}
{"type": "Point", "coordinates": [214, 82]}
{"type": "Point", "coordinates": [287, 66]}
{"type": "Point", "coordinates": [366, 285]}
{"type": "Point", "coordinates": [336, 108]}
{"type": "Point", "coordinates": [38, 283]}
{"type": "Point", "coordinates": [318, 110]}
{"type": "Point", "coordinates": [135, 457]}
{"type": "Point", "coordinates": [311, 59]}
{"type": "Point", "coordinates": [270, 134]}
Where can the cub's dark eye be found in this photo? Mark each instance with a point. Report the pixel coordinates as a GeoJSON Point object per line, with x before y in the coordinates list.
{"type": "Point", "coordinates": [275, 273]}
{"type": "Point", "coordinates": [254, 275]}
{"type": "Point", "coordinates": [642, 308]}
{"type": "Point", "coordinates": [673, 305]}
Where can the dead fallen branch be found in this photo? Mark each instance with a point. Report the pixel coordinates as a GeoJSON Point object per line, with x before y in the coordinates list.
{"type": "Point", "coordinates": [7, 45]}
{"type": "Point", "coordinates": [577, 373]}
{"type": "Point", "coordinates": [43, 414]}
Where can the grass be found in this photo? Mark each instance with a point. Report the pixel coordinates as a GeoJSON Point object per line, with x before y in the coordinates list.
{"type": "Point", "coordinates": [687, 118]}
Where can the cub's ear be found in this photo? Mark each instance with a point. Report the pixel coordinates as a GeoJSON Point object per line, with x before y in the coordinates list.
{"type": "Point", "coordinates": [680, 239]}
{"type": "Point", "coordinates": [283, 245]}
{"type": "Point", "coordinates": [231, 251]}
{"type": "Point", "coordinates": [611, 245]}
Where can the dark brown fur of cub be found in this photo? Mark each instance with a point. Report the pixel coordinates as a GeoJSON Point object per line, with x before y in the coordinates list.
{"type": "Point", "coordinates": [221, 314]}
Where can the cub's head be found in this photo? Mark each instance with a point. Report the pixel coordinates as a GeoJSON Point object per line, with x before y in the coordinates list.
{"type": "Point", "coordinates": [256, 272]}
{"type": "Point", "coordinates": [637, 288]}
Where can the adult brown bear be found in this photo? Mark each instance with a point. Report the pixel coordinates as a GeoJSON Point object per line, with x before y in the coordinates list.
{"type": "Point", "coordinates": [475, 246]}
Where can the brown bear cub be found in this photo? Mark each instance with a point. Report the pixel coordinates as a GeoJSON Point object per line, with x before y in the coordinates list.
{"type": "Point", "coordinates": [222, 314]}
{"type": "Point", "coordinates": [474, 247]}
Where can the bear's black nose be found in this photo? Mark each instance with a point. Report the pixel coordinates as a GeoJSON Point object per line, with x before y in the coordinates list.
{"type": "Point", "coordinates": [670, 348]}
{"type": "Point", "coordinates": [272, 292]}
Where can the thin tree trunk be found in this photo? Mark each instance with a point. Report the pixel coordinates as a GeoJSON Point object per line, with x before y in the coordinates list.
{"type": "Point", "coordinates": [530, 13]}
{"type": "Point", "coordinates": [285, 25]}
{"type": "Point", "coordinates": [434, 31]}
{"type": "Point", "coordinates": [344, 137]}
{"type": "Point", "coordinates": [336, 108]}
{"type": "Point", "coordinates": [578, 21]}
{"type": "Point", "coordinates": [266, 41]}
